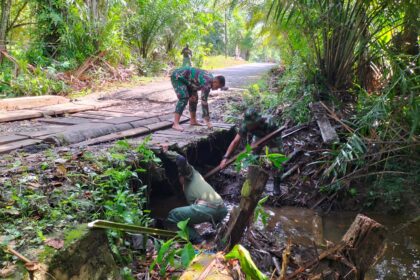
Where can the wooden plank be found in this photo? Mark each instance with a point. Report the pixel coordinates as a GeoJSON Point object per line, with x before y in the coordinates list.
{"type": "Point", "coordinates": [66, 108]}
{"type": "Point", "coordinates": [10, 116]}
{"type": "Point", "coordinates": [31, 102]}
{"type": "Point", "coordinates": [64, 121]}
{"type": "Point", "coordinates": [11, 138]}
{"type": "Point", "coordinates": [328, 133]}
{"type": "Point", "coordinates": [144, 122]}
{"type": "Point", "coordinates": [108, 114]}
{"type": "Point", "coordinates": [115, 136]}
{"type": "Point", "coordinates": [48, 131]}
{"type": "Point", "coordinates": [223, 125]}
{"type": "Point", "coordinates": [18, 145]}
{"type": "Point", "coordinates": [120, 120]}
{"type": "Point", "coordinates": [159, 125]}
{"type": "Point", "coordinates": [98, 104]}
{"type": "Point", "coordinates": [167, 117]}
{"type": "Point", "coordinates": [89, 116]}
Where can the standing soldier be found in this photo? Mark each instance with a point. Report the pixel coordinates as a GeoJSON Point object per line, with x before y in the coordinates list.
{"type": "Point", "coordinates": [258, 127]}
{"type": "Point", "coordinates": [187, 54]}
{"type": "Point", "coordinates": [187, 81]}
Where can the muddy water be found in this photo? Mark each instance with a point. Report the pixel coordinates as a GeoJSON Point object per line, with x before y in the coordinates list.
{"type": "Point", "coordinates": [400, 261]}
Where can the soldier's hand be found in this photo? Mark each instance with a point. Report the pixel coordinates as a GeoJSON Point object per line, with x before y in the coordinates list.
{"type": "Point", "coordinates": [223, 163]}
{"type": "Point", "coordinates": [165, 147]}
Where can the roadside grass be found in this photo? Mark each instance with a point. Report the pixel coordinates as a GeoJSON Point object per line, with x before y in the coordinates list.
{"type": "Point", "coordinates": [219, 61]}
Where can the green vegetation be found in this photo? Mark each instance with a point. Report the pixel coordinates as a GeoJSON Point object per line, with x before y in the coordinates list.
{"type": "Point", "coordinates": [68, 189]}
{"type": "Point", "coordinates": [361, 58]}
{"type": "Point", "coordinates": [171, 254]}
{"type": "Point", "coordinates": [57, 46]}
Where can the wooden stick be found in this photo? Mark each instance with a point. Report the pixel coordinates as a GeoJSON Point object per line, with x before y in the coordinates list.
{"type": "Point", "coordinates": [19, 255]}
{"type": "Point", "coordinates": [206, 272]}
{"type": "Point", "coordinates": [253, 147]}
{"type": "Point", "coordinates": [285, 260]}
{"type": "Point", "coordinates": [12, 59]}
{"type": "Point", "coordinates": [322, 256]}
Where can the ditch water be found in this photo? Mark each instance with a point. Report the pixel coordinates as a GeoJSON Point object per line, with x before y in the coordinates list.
{"type": "Point", "coordinates": [306, 227]}
{"type": "Point", "coordinates": [402, 256]}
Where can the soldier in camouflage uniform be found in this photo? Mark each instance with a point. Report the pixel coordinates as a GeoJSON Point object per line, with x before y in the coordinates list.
{"type": "Point", "coordinates": [187, 81]}
{"type": "Point", "coordinates": [205, 204]}
{"type": "Point", "coordinates": [187, 54]}
{"type": "Point", "coordinates": [258, 127]}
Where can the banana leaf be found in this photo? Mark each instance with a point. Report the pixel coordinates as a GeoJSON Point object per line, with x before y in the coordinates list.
{"type": "Point", "coordinates": [247, 264]}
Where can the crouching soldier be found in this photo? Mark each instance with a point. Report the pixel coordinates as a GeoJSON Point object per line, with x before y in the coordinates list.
{"type": "Point", "coordinates": [205, 204]}
{"type": "Point", "coordinates": [257, 127]}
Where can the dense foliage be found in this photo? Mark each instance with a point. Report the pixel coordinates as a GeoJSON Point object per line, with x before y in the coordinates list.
{"type": "Point", "coordinates": [362, 59]}
{"type": "Point", "coordinates": [46, 41]}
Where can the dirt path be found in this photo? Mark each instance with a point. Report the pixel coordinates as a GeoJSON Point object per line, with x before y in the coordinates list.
{"type": "Point", "coordinates": [149, 106]}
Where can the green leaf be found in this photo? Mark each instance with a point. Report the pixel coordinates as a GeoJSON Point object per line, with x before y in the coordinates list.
{"type": "Point", "coordinates": [187, 254]}
{"type": "Point", "coordinates": [183, 232]}
{"type": "Point", "coordinates": [247, 264]}
{"type": "Point", "coordinates": [277, 159]}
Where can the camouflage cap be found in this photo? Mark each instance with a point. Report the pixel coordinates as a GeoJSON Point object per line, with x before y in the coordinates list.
{"type": "Point", "coordinates": [184, 169]}
{"type": "Point", "coordinates": [252, 116]}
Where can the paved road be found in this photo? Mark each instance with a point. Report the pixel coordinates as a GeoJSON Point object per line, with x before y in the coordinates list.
{"type": "Point", "coordinates": [240, 76]}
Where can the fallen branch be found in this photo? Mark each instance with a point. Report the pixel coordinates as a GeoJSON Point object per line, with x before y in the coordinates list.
{"type": "Point", "coordinates": [19, 255]}
{"type": "Point", "coordinates": [254, 146]}
{"type": "Point", "coordinates": [285, 260]}
{"type": "Point", "coordinates": [322, 256]}
{"type": "Point", "coordinates": [411, 222]}
{"type": "Point", "coordinates": [206, 272]}
{"type": "Point", "coordinates": [15, 62]}
{"type": "Point", "coordinates": [87, 64]}
{"type": "Point", "coordinates": [290, 172]}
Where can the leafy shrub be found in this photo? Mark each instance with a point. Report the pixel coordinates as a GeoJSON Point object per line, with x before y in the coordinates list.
{"type": "Point", "coordinates": [291, 93]}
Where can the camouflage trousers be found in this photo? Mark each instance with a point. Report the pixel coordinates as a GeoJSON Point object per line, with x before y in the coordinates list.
{"type": "Point", "coordinates": [186, 61]}
{"type": "Point", "coordinates": [197, 214]}
{"type": "Point", "coordinates": [186, 95]}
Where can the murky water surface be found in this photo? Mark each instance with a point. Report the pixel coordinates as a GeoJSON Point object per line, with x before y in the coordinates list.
{"type": "Point", "coordinates": [306, 227]}
{"type": "Point", "coordinates": [402, 256]}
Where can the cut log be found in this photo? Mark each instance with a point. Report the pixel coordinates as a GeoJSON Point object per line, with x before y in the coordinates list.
{"type": "Point", "coordinates": [251, 193]}
{"type": "Point", "coordinates": [328, 133]}
{"type": "Point", "coordinates": [361, 246]}
{"type": "Point", "coordinates": [365, 243]}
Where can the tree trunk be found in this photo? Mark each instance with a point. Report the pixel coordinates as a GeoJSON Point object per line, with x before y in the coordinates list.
{"type": "Point", "coordinates": [359, 249]}
{"type": "Point", "coordinates": [4, 21]}
{"type": "Point", "coordinates": [365, 240]}
{"type": "Point", "coordinates": [250, 195]}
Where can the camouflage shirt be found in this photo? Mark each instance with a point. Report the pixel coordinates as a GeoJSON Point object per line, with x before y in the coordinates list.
{"type": "Point", "coordinates": [265, 127]}
{"type": "Point", "coordinates": [196, 79]}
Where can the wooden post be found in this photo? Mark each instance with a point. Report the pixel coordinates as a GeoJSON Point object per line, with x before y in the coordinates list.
{"type": "Point", "coordinates": [240, 217]}
{"type": "Point", "coordinates": [365, 242]}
